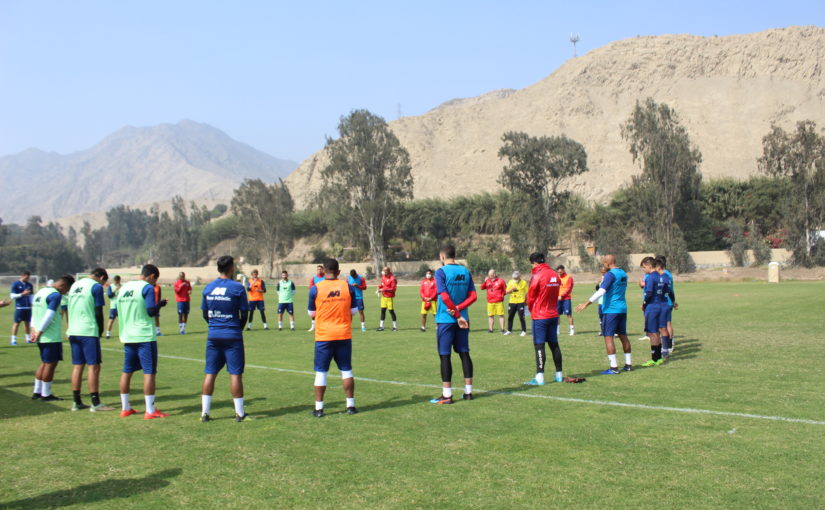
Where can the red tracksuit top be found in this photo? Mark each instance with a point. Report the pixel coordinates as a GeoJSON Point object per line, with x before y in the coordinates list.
{"type": "Point", "coordinates": [543, 294]}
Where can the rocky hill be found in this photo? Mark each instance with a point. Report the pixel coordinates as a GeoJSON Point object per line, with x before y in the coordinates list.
{"type": "Point", "coordinates": [726, 90]}
{"type": "Point", "coordinates": [135, 165]}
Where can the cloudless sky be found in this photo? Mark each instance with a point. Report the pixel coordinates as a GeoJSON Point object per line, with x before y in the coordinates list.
{"type": "Point", "coordinates": [278, 75]}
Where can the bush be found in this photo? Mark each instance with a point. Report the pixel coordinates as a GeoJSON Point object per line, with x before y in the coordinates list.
{"type": "Point", "coordinates": [737, 243]}
{"type": "Point", "coordinates": [586, 261]}
{"type": "Point", "coordinates": [479, 262]}
{"type": "Point", "coordinates": [422, 270]}
{"type": "Point", "coordinates": [369, 274]}
{"type": "Point", "coordinates": [761, 250]}
{"type": "Point", "coordinates": [318, 254]}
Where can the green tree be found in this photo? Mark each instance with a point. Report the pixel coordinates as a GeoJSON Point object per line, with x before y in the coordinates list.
{"type": "Point", "coordinates": [800, 157]}
{"type": "Point", "coordinates": [265, 218]}
{"type": "Point", "coordinates": [369, 172]}
{"type": "Point", "coordinates": [535, 172]}
{"type": "Point", "coordinates": [670, 179]}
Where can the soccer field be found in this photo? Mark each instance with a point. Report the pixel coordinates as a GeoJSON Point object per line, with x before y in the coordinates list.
{"type": "Point", "coordinates": [736, 419]}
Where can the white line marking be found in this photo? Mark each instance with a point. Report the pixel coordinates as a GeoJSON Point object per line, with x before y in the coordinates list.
{"type": "Point", "coordinates": [688, 410]}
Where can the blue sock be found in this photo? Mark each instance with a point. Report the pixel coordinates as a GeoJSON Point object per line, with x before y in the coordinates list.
{"type": "Point", "coordinates": [666, 343]}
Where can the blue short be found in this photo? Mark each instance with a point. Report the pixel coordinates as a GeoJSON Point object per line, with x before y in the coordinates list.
{"type": "Point", "coordinates": [85, 350]}
{"type": "Point", "coordinates": [183, 307]}
{"type": "Point", "coordinates": [565, 307]}
{"type": "Point", "coordinates": [614, 324]}
{"type": "Point", "coordinates": [545, 331]}
{"type": "Point", "coordinates": [225, 352]}
{"type": "Point", "coordinates": [359, 303]}
{"type": "Point", "coordinates": [113, 313]}
{"type": "Point", "coordinates": [450, 337]}
{"type": "Point", "coordinates": [51, 352]}
{"type": "Point", "coordinates": [256, 305]}
{"type": "Point", "coordinates": [22, 315]}
{"type": "Point", "coordinates": [669, 313]}
{"type": "Point", "coordinates": [140, 356]}
{"type": "Point", "coordinates": [288, 307]}
{"type": "Point", "coordinates": [339, 350]}
{"type": "Point", "coordinates": [655, 318]}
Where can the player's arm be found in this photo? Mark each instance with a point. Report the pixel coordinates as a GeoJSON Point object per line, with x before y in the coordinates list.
{"type": "Point", "coordinates": [441, 289]}
{"type": "Point", "coordinates": [362, 284]}
{"type": "Point", "coordinates": [263, 287]}
{"type": "Point", "coordinates": [672, 295]}
{"type": "Point", "coordinates": [110, 292]}
{"type": "Point", "coordinates": [152, 306]}
{"type": "Point", "coordinates": [649, 291]}
{"type": "Point", "coordinates": [15, 293]}
{"type": "Point", "coordinates": [293, 286]}
{"type": "Point", "coordinates": [204, 308]}
{"type": "Point", "coordinates": [607, 281]}
{"type": "Point", "coordinates": [97, 295]}
{"type": "Point", "coordinates": [313, 293]}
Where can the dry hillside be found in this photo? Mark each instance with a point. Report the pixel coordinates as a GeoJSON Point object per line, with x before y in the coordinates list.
{"type": "Point", "coordinates": [727, 91]}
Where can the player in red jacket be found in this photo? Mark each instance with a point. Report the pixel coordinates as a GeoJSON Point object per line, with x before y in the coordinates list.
{"type": "Point", "coordinates": [542, 300]}
{"type": "Point", "coordinates": [386, 289]}
{"type": "Point", "coordinates": [429, 298]}
{"type": "Point", "coordinates": [496, 288]}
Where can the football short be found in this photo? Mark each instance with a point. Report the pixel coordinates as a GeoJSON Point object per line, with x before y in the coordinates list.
{"type": "Point", "coordinates": [614, 324]}
{"type": "Point", "coordinates": [655, 318]}
{"type": "Point", "coordinates": [565, 307]}
{"type": "Point", "coordinates": [425, 311]}
{"type": "Point", "coordinates": [288, 307]}
{"type": "Point", "coordinates": [256, 305]}
{"type": "Point", "coordinates": [338, 350]}
{"type": "Point", "coordinates": [140, 356]}
{"type": "Point", "coordinates": [183, 307]}
{"type": "Point", "coordinates": [450, 337]}
{"type": "Point", "coordinates": [112, 313]}
{"type": "Point", "coordinates": [85, 350]}
{"type": "Point", "coordinates": [225, 352]}
{"type": "Point", "coordinates": [495, 309]}
{"type": "Point", "coordinates": [387, 302]}
{"type": "Point", "coordinates": [545, 331]}
{"type": "Point", "coordinates": [22, 315]}
{"type": "Point", "coordinates": [51, 352]}
{"type": "Point", "coordinates": [669, 313]}
{"type": "Point", "coordinates": [359, 303]}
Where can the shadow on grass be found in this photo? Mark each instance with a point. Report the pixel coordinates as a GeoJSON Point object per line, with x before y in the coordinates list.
{"type": "Point", "coordinates": [17, 374]}
{"type": "Point", "coordinates": [216, 404]}
{"type": "Point", "coordinates": [28, 384]}
{"type": "Point", "coordinates": [98, 491]}
{"type": "Point", "coordinates": [15, 405]}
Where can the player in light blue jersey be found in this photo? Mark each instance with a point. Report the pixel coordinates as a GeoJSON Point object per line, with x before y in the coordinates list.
{"type": "Point", "coordinates": [360, 285]}
{"type": "Point", "coordinates": [669, 302]}
{"type": "Point", "coordinates": [456, 292]}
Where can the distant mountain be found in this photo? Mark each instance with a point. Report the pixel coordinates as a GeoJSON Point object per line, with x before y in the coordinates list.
{"type": "Point", "coordinates": [135, 165]}
{"type": "Point", "coordinates": [727, 92]}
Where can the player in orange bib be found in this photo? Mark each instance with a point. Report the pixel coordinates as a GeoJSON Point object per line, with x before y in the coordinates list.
{"type": "Point", "coordinates": [332, 304]}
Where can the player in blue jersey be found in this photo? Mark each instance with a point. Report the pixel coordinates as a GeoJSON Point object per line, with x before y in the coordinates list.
{"type": "Point", "coordinates": [360, 285]}
{"type": "Point", "coordinates": [612, 291]}
{"type": "Point", "coordinates": [669, 302]}
{"type": "Point", "coordinates": [655, 305]}
{"type": "Point", "coordinates": [225, 309]}
{"type": "Point", "coordinates": [21, 293]}
{"type": "Point", "coordinates": [456, 292]}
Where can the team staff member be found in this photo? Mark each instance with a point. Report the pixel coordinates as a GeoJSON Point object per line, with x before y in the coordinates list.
{"type": "Point", "coordinates": [21, 292]}
{"type": "Point", "coordinates": [429, 298]}
{"type": "Point", "coordinates": [496, 289]}
{"type": "Point", "coordinates": [360, 285]}
{"type": "Point", "coordinates": [256, 288]}
{"type": "Point", "coordinates": [387, 289]}
{"type": "Point", "coordinates": [565, 297]}
{"type": "Point", "coordinates": [111, 292]}
{"type": "Point", "coordinates": [517, 289]}
{"type": "Point", "coordinates": [225, 309]}
{"type": "Point", "coordinates": [48, 335]}
{"type": "Point", "coordinates": [332, 305]}
{"type": "Point", "coordinates": [456, 292]}
{"type": "Point", "coordinates": [183, 292]}
{"type": "Point", "coordinates": [85, 327]}
{"type": "Point", "coordinates": [136, 306]}
{"type": "Point", "coordinates": [542, 300]}
{"type": "Point", "coordinates": [612, 293]}
{"type": "Point", "coordinates": [319, 276]}
{"type": "Point", "coordinates": [286, 299]}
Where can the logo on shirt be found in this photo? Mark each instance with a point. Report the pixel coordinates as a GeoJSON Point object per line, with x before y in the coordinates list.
{"type": "Point", "coordinates": [218, 291]}
{"type": "Point", "coordinates": [460, 278]}
{"type": "Point", "coordinates": [78, 290]}
{"type": "Point", "coordinates": [128, 294]}
{"type": "Point", "coordinates": [334, 293]}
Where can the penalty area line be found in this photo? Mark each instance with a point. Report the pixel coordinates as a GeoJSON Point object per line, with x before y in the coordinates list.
{"type": "Point", "coordinates": [609, 403]}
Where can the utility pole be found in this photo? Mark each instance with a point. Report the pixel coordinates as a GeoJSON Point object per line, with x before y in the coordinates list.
{"type": "Point", "coordinates": [574, 38]}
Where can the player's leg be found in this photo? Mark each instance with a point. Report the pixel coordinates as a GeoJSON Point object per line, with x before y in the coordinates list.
{"type": "Point", "coordinates": [501, 317]}
{"type": "Point", "coordinates": [665, 329]}
{"type": "Point", "coordinates": [511, 314]}
{"type": "Point", "coordinates": [522, 320]}
{"type": "Point", "coordinates": [423, 317]}
{"type": "Point", "coordinates": [555, 349]}
{"type": "Point", "coordinates": [38, 379]}
{"type": "Point", "coordinates": [262, 308]}
{"type": "Point", "coordinates": [91, 351]}
{"type": "Point", "coordinates": [111, 322]}
{"type": "Point", "coordinates": [391, 308]}
{"type": "Point", "coordinates": [215, 360]}
{"type": "Point", "coordinates": [281, 309]}
{"type": "Point", "coordinates": [540, 336]}
{"type": "Point", "coordinates": [445, 335]}
{"type": "Point", "coordinates": [360, 306]}
{"type": "Point", "coordinates": [323, 356]}
{"type": "Point", "coordinates": [290, 309]}
{"type": "Point", "coordinates": [652, 330]}
{"type": "Point", "coordinates": [569, 310]}
{"type": "Point", "coordinates": [490, 317]}
{"type": "Point", "coordinates": [461, 345]}
{"type": "Point", "coordinates": [78, 366]}
{"type": "Point", "coordinates": [235, 364]}
{"type": "Point", "coordinates": [251, 315]}
{"type": "Point", "coordinates": [47, 375]}
{"type": "Point", "coordinates": [148, 353]}
{"type": "Point", "coordinates": [343, 360]}
{"type": "Point", "coordinates": [383, 316]}
{"type": "Point", "coordinates": [130, 364]}
{"type": "Point", "coordinates": [14, 327]}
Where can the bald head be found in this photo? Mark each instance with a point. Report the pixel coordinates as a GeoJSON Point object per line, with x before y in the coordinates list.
{"type": "Point", "coordinates": [609, 260]}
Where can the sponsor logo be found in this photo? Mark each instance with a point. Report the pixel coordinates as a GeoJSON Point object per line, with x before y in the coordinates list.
{"type": "Point", "coordinates": [218, 291]}
{"type": "Point", "coordinates": [334, 293]}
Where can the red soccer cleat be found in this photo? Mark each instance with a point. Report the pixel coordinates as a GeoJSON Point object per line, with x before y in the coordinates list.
{"type": "Point", "coordinates": [156, 414]}
{"type": "Point", "coordinates": [130, 412]}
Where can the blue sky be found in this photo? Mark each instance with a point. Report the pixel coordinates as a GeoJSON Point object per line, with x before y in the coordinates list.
{"type": "Point", "coordinates": [278, 75]}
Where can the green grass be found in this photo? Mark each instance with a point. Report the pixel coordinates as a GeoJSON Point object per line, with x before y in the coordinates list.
{"type": "Point", "coordinates": [741, 347]}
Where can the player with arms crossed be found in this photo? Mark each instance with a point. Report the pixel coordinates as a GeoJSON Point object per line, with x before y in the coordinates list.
{"type": "Point", "coordinates": [429, 298]}
{"type": "Point", "coordinates": [183, 293]}
{"type": "Point", "coordinates": [613, 293]}
{"type": "Point", "coordinates": [496, 289]}
{"type": "Point", "coordinates": [256, 288]}
{"type": "Point", "coordinates": [319, 276]}
{"type": "Point", "coordinates": [360, 285]}
{"type": "Point", "coordinates": [456, 292]}
{"type": "Point", "coordinates": [286, 300]}
{"type": "Point", "coordinates": [386, 289]}
{"type": "Point", "coordinates": [21, 292]}
{"type": "Point", "coordinates": [517, 289]}
{"type": "Point", "coordinates": [542, 300]}
{"type": "Point", "coordinates": [85, 327]}
{"type": "Point", "coordinates": [332, 305]}
{"type": "Point", "coordinates": [136, 306]}
{"type": "Point", "coordinates": [48, 335]}
{"type": "Point", "coordinates": [111, 291]}
{"type": "Point", "coordinates": [225, 310]}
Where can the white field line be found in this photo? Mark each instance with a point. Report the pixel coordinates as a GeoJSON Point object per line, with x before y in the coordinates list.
{"type": "Point", "coordinates": [687, 410]}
